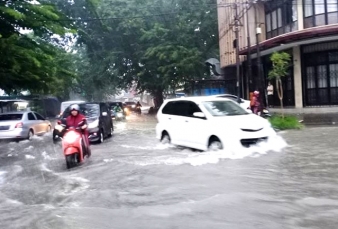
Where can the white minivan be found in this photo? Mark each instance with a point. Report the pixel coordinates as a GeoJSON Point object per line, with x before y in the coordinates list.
{"type": "Point", "coordinates": [210, 123]}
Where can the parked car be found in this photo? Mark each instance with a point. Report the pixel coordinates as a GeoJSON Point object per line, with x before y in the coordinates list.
{"type": "Point", "coordinates": [100, 123]}
{"type": "Point", "coordinates": [210, 123]}
{"type": "Point", "coordinates": [23, 125]}
{"type": "Point", "coordinates": [244, 103]}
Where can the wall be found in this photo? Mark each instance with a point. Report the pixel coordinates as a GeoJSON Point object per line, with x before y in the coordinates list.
{"type": "Point", "coordinates": [226, 15]}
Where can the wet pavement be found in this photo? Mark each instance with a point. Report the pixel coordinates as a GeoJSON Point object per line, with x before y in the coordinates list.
{"type": "Point", "coordinates": [133, 181]}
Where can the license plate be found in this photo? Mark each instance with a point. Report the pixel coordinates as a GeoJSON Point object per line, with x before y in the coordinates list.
{"type": "Point", "coordinates": [4, 127]}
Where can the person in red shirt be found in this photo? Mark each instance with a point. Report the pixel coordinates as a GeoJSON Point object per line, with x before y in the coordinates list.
{"type": "Point", "coordinates": [74, 119]}
{"type": "Point", "coordinates": [255, 103]}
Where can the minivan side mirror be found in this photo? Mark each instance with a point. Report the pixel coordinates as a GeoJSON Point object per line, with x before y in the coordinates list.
{"type": "Point", "coordinates": [199, 114]}
{"type": "Point", "coordinates": [104, 113]}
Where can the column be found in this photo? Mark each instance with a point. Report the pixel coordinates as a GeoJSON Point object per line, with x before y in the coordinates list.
{"type": "Point", "coordinates": [300, 16]}
{"type": "Point", "coordinates": [297, 77]}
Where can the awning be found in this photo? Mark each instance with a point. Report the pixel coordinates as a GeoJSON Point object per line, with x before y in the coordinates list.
{"type": "Point", "coordinates": [309, 33]}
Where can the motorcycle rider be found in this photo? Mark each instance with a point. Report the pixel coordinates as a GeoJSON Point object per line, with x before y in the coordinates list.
{"type": "Point", "coordinates": [256, 103]}
{"type": "Point", "coordinates": [138, 107]}
{"type": "Point", "coordinates": [73, 120]}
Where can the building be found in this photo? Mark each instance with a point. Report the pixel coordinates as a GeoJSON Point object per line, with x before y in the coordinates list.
{"type": "Point", "coordinates": [306, 29]}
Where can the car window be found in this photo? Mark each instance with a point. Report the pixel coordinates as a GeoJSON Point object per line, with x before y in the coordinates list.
{"type": "Point", "coordinates": [90, 110]}
{"type": "Point", "coordinates": [168, 108]}
{"type": "Point", "coordinates": [31, 116]}
{"type": "Point", "coordinates": [9, 117]}
{"type": "Point", "coordinates": [181, 108]}
{"type": "Point", "coordinates": [224, 108]}
{"type": "Point", "coordinates": [192, 108]}
{"type": "Point", "coordinates": [39, 117]}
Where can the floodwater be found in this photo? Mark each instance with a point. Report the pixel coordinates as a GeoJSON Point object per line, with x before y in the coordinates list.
{"type": "Point", "coordinates": [133, 181]}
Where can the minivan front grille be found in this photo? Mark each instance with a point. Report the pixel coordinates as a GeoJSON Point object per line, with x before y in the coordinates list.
{"type": "Point", "coordinates": [251, 130]}
{"type": "Point", "coordinates": [252, 141]}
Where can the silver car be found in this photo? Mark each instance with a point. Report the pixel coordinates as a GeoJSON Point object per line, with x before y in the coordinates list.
{"type": "Point", "coordinates": [23, 125]}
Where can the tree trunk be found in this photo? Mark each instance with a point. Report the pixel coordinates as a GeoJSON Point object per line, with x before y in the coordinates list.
{"type": "Point", "coordinates": [158, 98]}
{"type": "Point", "coordinates": [280, 94]}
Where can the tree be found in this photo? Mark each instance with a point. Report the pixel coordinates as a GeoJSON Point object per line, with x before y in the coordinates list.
{"type": "Point", "coordinates": [280, 65]}
{"type": "Point", "coordinates": [29, 58]}
{"type": "Point", "coordinates": [157, 44]}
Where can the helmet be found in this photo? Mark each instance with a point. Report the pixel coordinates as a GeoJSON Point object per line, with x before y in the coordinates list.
{"type": "Point", "coordinates": [74, 107]}
{"type": "Point", "coordinates": [256, 92]}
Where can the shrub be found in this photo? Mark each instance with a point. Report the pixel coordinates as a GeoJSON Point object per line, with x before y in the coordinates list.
{"type": "Point", "coordinates": [288, 122]}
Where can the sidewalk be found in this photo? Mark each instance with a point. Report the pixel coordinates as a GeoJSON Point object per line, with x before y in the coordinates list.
{"type": "Point", "coordinates": [312, 115]}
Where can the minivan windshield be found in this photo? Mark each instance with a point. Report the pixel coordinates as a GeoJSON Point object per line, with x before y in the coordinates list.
{"type": "Point", "coordinates": [224, 108]}
{"type": "Point", "coordinates": [90, 110]}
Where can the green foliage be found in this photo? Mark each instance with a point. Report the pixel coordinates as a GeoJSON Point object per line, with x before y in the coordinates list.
{"type": "Point", "coordinates": [156, 43]}
{"type": "Point", "coordinates": [280, 65]}
{"type": "Point", "coordinates": [284, 123]}
{"type": "Point", "coordinates": [29, 59]}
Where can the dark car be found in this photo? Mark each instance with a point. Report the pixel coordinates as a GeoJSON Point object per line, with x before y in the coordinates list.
{"type": "Point", "coordinates": [131, 106]}
{"type": "Point", "coordinates": [100, 123]}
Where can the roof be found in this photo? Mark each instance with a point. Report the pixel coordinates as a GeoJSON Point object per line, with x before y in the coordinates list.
{"type": "Point", "coordinates": [15, 112]}
{"type": "Point", "coordinates": [198, 99]}
{"type": "Point", "coordinates": [314, 32]}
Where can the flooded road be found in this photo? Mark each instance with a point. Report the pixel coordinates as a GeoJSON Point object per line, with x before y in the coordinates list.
{"type": "Point", "coordinates": [133, 181]}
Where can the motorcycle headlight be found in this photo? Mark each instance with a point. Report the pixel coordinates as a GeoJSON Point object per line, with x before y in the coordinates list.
{"type": "Point", "coordinates": [119, 115]}
{"type": "Point", "coordinates": [126, 109]}
{"type": "Point", "coordinates": [70, 137]}
{"type": "Point", "coordinates": [93, 124]}
{"type": "Point", "coordinates": [133, 106]}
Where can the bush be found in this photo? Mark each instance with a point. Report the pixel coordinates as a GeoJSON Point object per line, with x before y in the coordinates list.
{"type": "Point", "coordinates": [288, 122]}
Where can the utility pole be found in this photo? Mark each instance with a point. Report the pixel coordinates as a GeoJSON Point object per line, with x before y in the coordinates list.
{"type": "Point", "coordinates": [249, 80]}
{"type": "Point", "coordinates": [237, 52]}
{"type": "Point", "coordinates": [260, 81]}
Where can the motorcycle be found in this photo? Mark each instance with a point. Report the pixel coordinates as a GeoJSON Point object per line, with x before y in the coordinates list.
{"type": "Point", "coordinates": [264, 113]}
{"type": "Point", "coordinates": [73, 146]}
{"type": "Point", "coordinates": [138, 110]}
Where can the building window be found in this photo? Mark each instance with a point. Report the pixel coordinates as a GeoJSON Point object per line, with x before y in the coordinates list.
{"type": "Point", "coordinates": [319, 6]}
{"type": "Point", "coordinates": [310, 77]}
{"type": "Point", "coordinates": [333, 75]}
{"type": "Point", "coordinates": [320, 73]}
{"type": "Point", "coordinates": [281, 17]}
{"type": "Point", "coordinates": [332, 6]}
{"type": "Point", "coordinates": [268, 22]}
{"type": "Point", "coordinates": [320, 12]}
{"type": "Point", "coordinates": [308, 8]}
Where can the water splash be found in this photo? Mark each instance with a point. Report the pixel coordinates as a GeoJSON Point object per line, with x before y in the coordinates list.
{"type": "Point", "coordinates": [274, 144]}
{"type": "Point", "coordinates": [2, 177]}
{"type": "Point", "coordinates": [29, 156]}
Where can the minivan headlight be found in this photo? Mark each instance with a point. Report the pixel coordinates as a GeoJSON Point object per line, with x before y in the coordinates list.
{"type": "Point", "coordinates": [93, 124]}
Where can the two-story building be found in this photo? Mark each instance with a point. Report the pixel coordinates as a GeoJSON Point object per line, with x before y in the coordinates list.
{"type": "Point", "coordinates": [306, 29]}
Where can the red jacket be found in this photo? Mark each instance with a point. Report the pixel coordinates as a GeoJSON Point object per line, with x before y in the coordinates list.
{"type": "Point", "coordinates": [75, 120]}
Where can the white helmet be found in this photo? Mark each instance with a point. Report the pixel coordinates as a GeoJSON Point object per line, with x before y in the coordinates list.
{"type": "Point", "coordinates": [75, 107]}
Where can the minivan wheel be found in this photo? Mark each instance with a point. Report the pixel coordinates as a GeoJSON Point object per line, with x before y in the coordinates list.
{"type": "Point", "coordinates": [215, 144]}
{"type": "Point", "coordinates": [101, 136]}
{"type": "Point", "coordinates": [111, 131]}
{"type": "Point", "coordinates": [165, 138]}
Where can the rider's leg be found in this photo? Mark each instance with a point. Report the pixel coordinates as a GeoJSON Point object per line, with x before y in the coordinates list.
{"type": "Point", "coordinates": [86, 137]}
